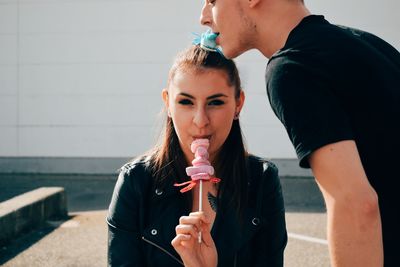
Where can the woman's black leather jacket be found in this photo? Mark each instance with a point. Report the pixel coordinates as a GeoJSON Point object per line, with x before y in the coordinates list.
{"type": "Point", "coordinates": [142, 219]}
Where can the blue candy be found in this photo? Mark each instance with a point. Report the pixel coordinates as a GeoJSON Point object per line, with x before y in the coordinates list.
{"type": "Point", "coordinates": [207, 41]}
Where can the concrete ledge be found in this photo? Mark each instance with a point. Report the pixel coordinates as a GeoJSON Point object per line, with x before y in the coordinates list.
{"type": "Point", "coordinates": [27, 211]}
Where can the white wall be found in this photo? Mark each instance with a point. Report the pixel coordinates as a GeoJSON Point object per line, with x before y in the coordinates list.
{"type": "Point", "coordinates": [82, 78]}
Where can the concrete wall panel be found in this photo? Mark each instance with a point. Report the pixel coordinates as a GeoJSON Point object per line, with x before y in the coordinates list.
{"type": "Point", "coordinates": [8, 80]}
{"type": "Point", "coordinates": [8, 141]}
{"type": "Point", "coordinates": [86, 141]}
{"type": "Point", "coordinates": [82, 78]}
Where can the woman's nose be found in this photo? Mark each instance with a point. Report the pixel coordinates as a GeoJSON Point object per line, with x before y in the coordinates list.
{"type": "Point", "coordinates": [200, 118]}
{"type": "Point", "coordinates": [205, 16]}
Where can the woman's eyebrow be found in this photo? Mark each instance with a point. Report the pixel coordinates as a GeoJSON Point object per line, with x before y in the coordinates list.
{"type": "Point", "coordinates": [216, 96]}
{"type": "Point", "coordinates": [187, 95]}
{"type": "Point", "coordinates": [209, 97]}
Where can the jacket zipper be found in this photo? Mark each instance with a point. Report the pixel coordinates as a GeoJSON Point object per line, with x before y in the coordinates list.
{"type": "Point", "coordinates": [162, 249]}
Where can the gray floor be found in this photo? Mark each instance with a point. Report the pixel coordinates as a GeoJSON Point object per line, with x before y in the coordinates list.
{"type": "Point", "coordinates": [81, 240]}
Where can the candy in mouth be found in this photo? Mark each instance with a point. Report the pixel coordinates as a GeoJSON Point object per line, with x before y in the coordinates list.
{"type": "Point", "coordinates": [207, 41]}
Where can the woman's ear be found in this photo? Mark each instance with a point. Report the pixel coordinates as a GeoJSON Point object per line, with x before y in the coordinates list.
{"type": "Point", "coordinates": [164, 95]}
{"type": "Point", "coordinates": [240, 102]}
{"type": "Point", "coordinates": [165, 98]}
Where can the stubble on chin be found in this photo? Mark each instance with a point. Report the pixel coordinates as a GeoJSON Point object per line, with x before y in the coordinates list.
{"type": "Point", "coordinates": [246, 36]}
{"type": "Point", "coordinates": [242, 36]}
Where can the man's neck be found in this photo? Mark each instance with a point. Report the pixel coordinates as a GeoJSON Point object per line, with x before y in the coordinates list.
{"type": "Point", "coordinates": [274, 30]}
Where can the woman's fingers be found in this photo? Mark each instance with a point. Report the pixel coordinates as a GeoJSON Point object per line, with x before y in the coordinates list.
{"type": "Point", "coordinates": [201, 215]}
{"type": "Point", "coordinates": [192, 220]}
{"type": "Point", "coordinates": [180, 240]}
{"type": "Point", "coordinates": [197, 218]}
{"type": "Point", "coordinates": [207, 238]}
{"type": "Point", "coordinates": [186, 242]}
{"type": "Point", "coordinates": [187, 229]}
{"type": "Point", "coordinates": [194, 217]}
{"type": "Point", "coordinates": [190, 227]}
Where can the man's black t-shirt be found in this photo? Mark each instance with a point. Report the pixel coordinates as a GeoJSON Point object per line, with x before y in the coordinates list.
{"type": "Point", "coordinates": [331, 83]}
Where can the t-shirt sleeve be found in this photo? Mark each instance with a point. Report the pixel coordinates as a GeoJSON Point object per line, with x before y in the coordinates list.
{"type": "Point", "coordinates": [303, 100]}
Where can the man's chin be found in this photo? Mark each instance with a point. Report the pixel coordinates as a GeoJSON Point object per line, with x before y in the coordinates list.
{"type": "Point", "coordinates": [230, 54]}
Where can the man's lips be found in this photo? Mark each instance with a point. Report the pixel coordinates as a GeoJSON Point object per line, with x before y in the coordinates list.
{"type": "Point", "coordinates": [218, 37]}
{"type": "Point", "coordinates": [217, 40]}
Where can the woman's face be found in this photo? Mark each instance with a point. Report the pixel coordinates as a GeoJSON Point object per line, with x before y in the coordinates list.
{"type": "Point", "coordinates": [202, 105]}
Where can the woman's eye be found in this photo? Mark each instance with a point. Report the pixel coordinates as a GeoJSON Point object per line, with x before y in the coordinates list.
{"type": "Point", "coordinates": [216, 102]}
{"type": "Point", "coordinates": [185, 102]}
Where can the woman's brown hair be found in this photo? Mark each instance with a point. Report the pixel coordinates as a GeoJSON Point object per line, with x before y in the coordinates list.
{"type": "Point", "coordinates": [167, 160]}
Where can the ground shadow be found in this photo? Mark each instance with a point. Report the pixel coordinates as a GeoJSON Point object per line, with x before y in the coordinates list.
{"type": "Point", "coordinates": [28, 238]}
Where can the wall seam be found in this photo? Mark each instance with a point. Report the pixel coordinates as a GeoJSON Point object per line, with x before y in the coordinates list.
{"type": "Point", "coordinates": [18, 81]}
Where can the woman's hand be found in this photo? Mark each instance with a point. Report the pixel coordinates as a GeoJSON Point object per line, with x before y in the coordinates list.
{"type": "Point", "coordinates": [193, 253]}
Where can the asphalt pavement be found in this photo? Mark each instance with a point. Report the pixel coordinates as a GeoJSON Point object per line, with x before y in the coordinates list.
{"type": "Point", "coordinates": [81, 239]}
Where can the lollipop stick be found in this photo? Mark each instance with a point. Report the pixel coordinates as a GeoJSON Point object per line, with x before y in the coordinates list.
{"type": "Point", "coordinates": [200, 204]}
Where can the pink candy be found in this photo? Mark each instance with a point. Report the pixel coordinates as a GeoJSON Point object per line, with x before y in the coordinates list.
{"type": "Point", "coordinates": [201, 169]}
{"type": "Point", "coordinates": [199, 142]}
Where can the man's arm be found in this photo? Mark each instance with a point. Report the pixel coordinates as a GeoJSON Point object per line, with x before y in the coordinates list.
{"type": "Point", "coordinates": [354, 224]}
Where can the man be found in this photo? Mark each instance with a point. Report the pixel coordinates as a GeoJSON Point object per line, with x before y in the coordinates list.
{"type": "Point", "coordinates": [337, 92]}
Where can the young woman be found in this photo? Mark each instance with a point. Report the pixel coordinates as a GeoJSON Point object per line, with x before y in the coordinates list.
{"type": "Point", "coordinates": [242, 222]}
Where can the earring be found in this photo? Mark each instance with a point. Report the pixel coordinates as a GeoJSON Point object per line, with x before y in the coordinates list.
{"type": "Point", "coordinates": [236, 116]}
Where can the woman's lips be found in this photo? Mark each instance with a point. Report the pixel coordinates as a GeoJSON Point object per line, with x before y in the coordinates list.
{"type": "Point", "coordinates": [202, 137]}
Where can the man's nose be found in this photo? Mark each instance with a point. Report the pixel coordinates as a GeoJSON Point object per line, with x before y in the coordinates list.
{"type": "Point", "coordinates": [205, 16]}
